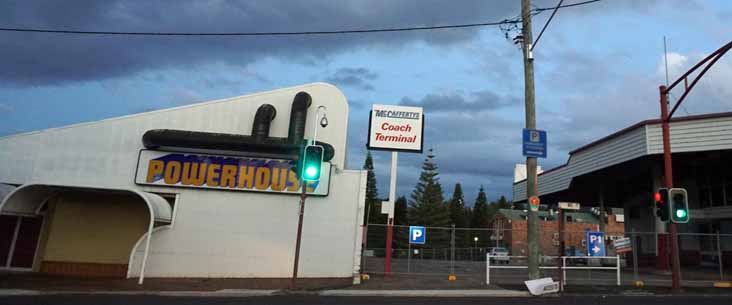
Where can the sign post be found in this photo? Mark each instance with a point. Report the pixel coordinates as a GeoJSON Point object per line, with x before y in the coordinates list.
{"type": "Point", "coordinates": [394, 128]}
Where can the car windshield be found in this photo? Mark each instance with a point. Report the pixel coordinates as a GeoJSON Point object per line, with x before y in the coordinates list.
{"type": "Point", "coordinates": [500, 250]}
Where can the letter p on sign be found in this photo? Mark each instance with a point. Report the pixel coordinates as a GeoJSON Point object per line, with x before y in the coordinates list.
{"type": "Point", "coordinates": [417, 235]}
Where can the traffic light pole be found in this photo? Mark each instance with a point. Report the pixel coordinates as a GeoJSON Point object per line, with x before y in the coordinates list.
{"type": "Point", "coordinates": [669, 183]}
{"type": "Point", "coordinates": [303, 195]}
{"type": "Point", "coordinates": [710, 60]}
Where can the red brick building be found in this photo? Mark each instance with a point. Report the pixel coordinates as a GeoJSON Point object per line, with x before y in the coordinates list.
{"type": "Point", "coordinates": [513, 227]}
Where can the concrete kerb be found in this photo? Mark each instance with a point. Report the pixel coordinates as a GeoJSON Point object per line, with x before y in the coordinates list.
{"type": "Point", "coordinates": [217, 293]}
{"type": "Point", "coordinates": [425, 293]}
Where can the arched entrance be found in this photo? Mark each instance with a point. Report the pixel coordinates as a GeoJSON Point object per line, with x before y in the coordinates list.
{"type": "Point", "coordinates": [87, 230]}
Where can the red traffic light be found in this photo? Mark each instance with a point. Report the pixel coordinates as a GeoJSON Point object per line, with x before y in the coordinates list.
{"type": "Point", "coordinates": [657, 197]}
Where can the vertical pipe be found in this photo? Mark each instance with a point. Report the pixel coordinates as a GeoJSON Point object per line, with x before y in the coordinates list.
{"type": "Point", "coordinates": [668, 170]}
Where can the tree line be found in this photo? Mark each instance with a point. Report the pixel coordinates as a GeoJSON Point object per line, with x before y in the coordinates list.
{"type": "Point", "coordinates": [426, 206]}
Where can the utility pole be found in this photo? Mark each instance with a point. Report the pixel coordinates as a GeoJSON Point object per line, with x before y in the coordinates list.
{"type": "Point", "coordinates": [531, 181]}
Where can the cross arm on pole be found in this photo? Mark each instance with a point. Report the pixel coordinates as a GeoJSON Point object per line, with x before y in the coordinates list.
{"type": "Point", "coordinates": [711, 59]}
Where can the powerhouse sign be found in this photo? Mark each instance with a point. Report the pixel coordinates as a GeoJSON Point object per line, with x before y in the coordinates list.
{"type": "Point", "coordinates": [396, 128]}
{"type": "Point", "coordinates": [224, 173]}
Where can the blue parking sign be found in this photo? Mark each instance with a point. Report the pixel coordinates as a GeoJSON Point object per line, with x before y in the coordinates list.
{"type": "Point", "coordinates": [534, 143]}
{"type": "Point", "coordinates": [595, 243]}
{"type": "Point", "coordinates": [417, 235]}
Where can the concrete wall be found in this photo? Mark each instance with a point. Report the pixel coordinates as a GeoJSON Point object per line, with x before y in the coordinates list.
{"type": "Point", "coordinates": [94, 228]}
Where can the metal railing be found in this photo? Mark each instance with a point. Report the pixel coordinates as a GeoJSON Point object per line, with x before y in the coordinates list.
{"type": "Point", "coordinates": [563, 267]}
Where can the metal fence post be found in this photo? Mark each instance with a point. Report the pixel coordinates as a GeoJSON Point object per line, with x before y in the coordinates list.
{"type": "Point", "coordinates": [617, 257]}
{"type": "Point", "coordinates": [564, 272]}
{"type": "Point", "coordinates": [487, 269]}
{"type": "Point", "coordinates": [452, 251]}
{"type": "Point", "coordinates": [635, 250]}
{"type": "Point", "coordinates": [719, 257]}
{"type": "Point", "coordinates": [409, 256]}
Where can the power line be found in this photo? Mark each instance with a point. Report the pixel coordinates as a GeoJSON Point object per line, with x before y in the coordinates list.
{"type": "Point", "coordinates": [554, 12]}
{"type": "Point", "coordinates": [566, 5]}
{"type": "Point", "coordinates": [405, 29]}
{"type": "Point", "coordinates": [294, 33]}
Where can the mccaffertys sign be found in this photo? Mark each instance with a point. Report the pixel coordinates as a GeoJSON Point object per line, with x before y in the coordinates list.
{"type": "Point", "coordinates": [224, 173]}
{"type": "Point", "coordinates": [396, 128]}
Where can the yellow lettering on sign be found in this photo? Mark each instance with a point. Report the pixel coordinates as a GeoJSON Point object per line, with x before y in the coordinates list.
{"type": "Point", "coordinates": [213, 174]}
{"type": "Point", "coordinates": [294, 183]}
{"type": "Point", "coordinates": [154, 167]}
{"type": "Point", "coordinates": [228, 176]}
{"type": "Point", "coordinates": [279, 178]}
{"type": "Point", "coordinates": [262, 181]}
{"type": "Point", "coordinates": [246, 174]}
{"type": "Point", "coordinates": [192, 175]}
{"type": "Point", "coordinates": [172, 172]}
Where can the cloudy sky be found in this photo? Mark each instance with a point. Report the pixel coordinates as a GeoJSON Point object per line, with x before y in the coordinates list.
{"type": "Point", "coordinates": [598, 68]}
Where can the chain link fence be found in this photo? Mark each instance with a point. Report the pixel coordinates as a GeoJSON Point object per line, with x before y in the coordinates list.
{"type": "Point", "coordinates": [462, 252]}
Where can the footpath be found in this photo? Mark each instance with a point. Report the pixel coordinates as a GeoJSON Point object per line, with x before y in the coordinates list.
{"type": "Point", "coordinates": [395, 286]}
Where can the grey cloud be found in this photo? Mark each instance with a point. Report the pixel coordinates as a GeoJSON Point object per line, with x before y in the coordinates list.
{"type": "Point", "coordinates": [354, 77]}
{"type": "Point", "coordinates": [41, 59]}
{"type": "Point", "coordinates": [459, 102]}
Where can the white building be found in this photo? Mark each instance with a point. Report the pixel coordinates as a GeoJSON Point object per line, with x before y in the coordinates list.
{"type": "Point", "coordinates": [82, 199]}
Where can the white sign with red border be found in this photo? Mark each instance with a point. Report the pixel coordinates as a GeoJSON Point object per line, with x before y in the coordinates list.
{"type": "Point", "coordinates": [396, 128]}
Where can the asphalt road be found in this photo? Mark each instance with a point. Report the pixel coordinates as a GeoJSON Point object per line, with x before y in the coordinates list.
{"type": "Point", "coordinates": [295, 300]}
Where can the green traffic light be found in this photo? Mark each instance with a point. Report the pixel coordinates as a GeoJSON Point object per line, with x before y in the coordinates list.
{"type": "Point", "coordinates": [311, 172]}
{"type": "Point", "coordinates": [680, 213]}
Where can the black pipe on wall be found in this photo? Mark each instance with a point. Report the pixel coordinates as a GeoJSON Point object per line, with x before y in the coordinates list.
{"type": "Point", "coordinates": [262, 121]}
{"type": "Point", "coordinates": [298, 117]}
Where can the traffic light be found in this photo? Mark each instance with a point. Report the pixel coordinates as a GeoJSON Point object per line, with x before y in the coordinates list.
{"type": "Point", "coordinates": [679, 205]}
{"type": "Point", "coordinates": [663, 210]}
{"type": "Point", "coordinates": [312, 160]}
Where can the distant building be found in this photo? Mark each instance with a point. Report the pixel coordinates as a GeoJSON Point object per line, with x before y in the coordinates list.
{"type": "Point", "coordinates": [512, 226]}
{"type": "Point", "coordinates": [624, 169]}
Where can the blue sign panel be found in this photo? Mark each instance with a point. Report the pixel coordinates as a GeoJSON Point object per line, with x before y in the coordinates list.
{"type": "Point", "coordinates": [534, 143]}
{"type": "Point", "coordinates": [417, 235]}
{"type": "Point", "coordinates": [595, 243]}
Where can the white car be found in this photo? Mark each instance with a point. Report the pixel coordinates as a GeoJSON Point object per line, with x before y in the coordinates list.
{"type": "Point", "coordinates": [500, 255]}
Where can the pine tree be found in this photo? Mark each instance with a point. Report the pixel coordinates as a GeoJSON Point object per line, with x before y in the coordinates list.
{"type": "Point", "coordinates": [376, 235]}
{"type": "Point", "coordinates": [400, 219]}
{"type": "Point", "coordinates": [427, 204]}
{"type": "Point", "coordinates": [457, 208]}
{"type": "Point", "coordinates": [372, 204]}
{"type": "Point", "coordinates": [480, 217]}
